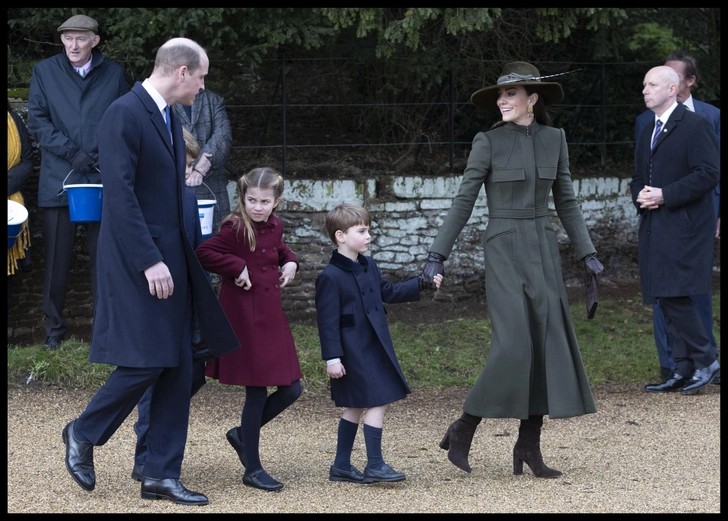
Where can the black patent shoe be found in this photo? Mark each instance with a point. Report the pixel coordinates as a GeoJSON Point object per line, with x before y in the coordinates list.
{"type": "Point", "coordinates": [79, 459]}
{"type": "Point", "coordinates": [254, 480]}
{"type": "Point", "coordinates": [666, 373]}
{"type": "Point", "coordinates": [172, 489]}
{"type": "Point", "coordinates": [385, 473]}
{"type": "Point", "coordinates": [353, 475]}
{"type": "Point", "coordinates": [237, 444]}
{"type": "Point", "coordinates": [675, 383]}
{"type": "Point", "coordinates": [701, 378]}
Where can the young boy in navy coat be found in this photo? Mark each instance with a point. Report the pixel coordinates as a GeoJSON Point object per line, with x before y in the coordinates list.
{"type": "Point", "coordinates": [355, 341]}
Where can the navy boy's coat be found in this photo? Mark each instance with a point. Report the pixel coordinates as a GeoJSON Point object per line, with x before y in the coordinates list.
{"type": "Point", "coordinates": [352, 325]}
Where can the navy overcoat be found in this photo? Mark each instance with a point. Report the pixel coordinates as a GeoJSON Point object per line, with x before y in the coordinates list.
{"type": "Point", "coordinates": [352, 325]}
{"type": "Point", "coordinates": [142, 223]}
{"type": "Point", "coordinates": [676, 240]}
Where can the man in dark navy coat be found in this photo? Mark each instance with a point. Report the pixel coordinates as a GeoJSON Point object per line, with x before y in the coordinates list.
{"type": "Point", "coordinates": [686, 67]}
{"type": "Point", "coordinates": [676, 169]}
{"type": "Point", "coordinates": [148, 278]}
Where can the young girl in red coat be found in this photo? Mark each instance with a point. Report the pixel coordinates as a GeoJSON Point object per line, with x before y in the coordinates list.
{"type": "Point", "coordinates": [254, 263]}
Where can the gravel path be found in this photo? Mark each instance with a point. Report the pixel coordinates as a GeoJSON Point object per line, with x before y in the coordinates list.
{"type": "Point", "coordinates": [639, 453]}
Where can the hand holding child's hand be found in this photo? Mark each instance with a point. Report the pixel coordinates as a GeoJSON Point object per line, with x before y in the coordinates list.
{"type": "Point", "coordinates": [288, 273]}
{"type": "Point", "coordinates": [437, 279]}
{"type": "Point", "coordinates": [243, 280]}
{"type": "Point", "coordinates": [335, 370]}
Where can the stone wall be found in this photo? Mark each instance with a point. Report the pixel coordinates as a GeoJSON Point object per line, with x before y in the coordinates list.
{"type": "Point", "coordinates": [406, 212]}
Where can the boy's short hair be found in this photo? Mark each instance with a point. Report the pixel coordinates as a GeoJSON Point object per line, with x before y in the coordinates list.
{"type": "Point", "coordinates": [343, 217]}
{"type": "Point", "coordinates": [192, 147]}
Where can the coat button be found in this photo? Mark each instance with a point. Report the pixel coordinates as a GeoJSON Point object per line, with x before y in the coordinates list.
{"type": "Point", "coordinates": [264, 268]}
{"type": "Point", "coordinates": [267, 288]}
{"type": "Point", "coordinates": [262, 251]}
{"type": "Point", "coordinates": [275, 286]}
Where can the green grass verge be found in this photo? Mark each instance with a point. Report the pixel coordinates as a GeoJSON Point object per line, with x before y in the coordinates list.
{"type": "Point", "coordinates": [617, 346]}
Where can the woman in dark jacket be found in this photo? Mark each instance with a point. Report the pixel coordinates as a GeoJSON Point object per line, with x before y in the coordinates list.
{"type": "Point", "coordinates": [534, 365]}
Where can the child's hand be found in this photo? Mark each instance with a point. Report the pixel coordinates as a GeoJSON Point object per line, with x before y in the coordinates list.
{"type": "Point", "coordinates": [243, 280]}
{"type": "Point", "coordinates": [335, 370]}
{"type": "Point", "coordinates": [437, 279]}
{"type": "Point", "coordinates": [288, 273]}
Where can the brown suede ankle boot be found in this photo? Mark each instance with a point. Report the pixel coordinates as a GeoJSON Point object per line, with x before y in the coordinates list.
{"type": "Point", "coordinates": [458, 438]}
{"type": "Point", "coordinates": [528, 449]}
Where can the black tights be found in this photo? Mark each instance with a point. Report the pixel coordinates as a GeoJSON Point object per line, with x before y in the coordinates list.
{"type": "Point", "coordinates": [258, 410]}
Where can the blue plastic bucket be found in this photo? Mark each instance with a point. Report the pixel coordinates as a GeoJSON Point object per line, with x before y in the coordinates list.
{"type": "Point", "coordinates": [84, 202]}
{"type": "Point", "coordinates": [17, 216]}
{"type": "Point", "coordinates": [206, 208]}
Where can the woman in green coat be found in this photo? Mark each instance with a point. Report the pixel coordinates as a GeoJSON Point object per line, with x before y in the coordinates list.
{"type": "Point", "coordinates": [534, 366]}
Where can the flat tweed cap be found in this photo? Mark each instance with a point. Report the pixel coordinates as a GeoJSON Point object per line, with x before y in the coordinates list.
{"type": "Point", "coordinates": [79, 22]}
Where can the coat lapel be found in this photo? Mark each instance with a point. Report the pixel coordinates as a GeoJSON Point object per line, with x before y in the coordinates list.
{"type": "Point", "coordinates": [155, 115]}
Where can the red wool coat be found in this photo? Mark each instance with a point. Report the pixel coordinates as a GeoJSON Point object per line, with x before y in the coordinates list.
{"type": "Point", "coordinates": [267, 354]}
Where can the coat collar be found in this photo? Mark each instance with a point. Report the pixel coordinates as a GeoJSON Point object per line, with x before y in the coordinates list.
{"type": "Point", "coordinates": [345, 263]}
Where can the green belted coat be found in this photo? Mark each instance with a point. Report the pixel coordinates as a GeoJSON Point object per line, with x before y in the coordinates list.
{"type": "Point", "coordinates": [534, 366]}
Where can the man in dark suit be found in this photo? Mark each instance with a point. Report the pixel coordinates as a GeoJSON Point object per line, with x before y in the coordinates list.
{"type": "Point", "coordinates": [686, 67]}
{"type": "Point", "coordinates": [677, 168]}
{"type": "Point", "coordinates": [148, 279]}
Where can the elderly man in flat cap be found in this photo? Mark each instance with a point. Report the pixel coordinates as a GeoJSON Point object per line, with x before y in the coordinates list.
{"type": "Point", "coordinates": [69, 93]}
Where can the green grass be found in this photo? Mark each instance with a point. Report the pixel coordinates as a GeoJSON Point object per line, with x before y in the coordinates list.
{"type": "Point", "coordinates": [617, 346]}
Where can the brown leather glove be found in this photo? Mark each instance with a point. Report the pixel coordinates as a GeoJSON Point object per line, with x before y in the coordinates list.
{"type": "Point", "coordinates": [593, 268]}
{"type": "Point", "coordinates": [432, 267]}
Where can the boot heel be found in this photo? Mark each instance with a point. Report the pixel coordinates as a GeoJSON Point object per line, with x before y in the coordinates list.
{"type": "Point", "coordinates": [445, 443]}
{"type": "Point", "coordinates": [517, 465]}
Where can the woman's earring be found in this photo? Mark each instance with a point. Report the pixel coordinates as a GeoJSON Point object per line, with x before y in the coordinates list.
{"type": "Point", "coordinates": [530, 110]}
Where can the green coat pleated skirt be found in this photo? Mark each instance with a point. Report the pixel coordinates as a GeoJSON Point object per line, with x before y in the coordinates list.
{"type": "Point", "coordinates": [534, 365]}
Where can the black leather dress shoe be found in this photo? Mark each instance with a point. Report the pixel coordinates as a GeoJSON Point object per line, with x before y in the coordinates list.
{"type": "Point", "coordinates": [352, 475]}
{"type": "Point", "coordinates": [386, 473]}
{"type": "Point", "coordinates": [172, 489]}
{"type": "Point", "coordinates": [79, 459]}
{"type": "Point", "coordinates": [701, 377]}
{"type": "Point", "coordinates": [675, 383]}
{"type": "Point", "coordinates": [137, 473]}
{"type": "Point", "coordinates": [237, 443]}
{"type": "Point", "coordinates": [53, 342]}
{"type": "Point", "coordinates": [666, 373]}
{"type": "Point", "coordinates": [253, 480]}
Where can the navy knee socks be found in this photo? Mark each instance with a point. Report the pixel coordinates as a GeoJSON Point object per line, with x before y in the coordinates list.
{"type": "Point", "coordinates": [373, 441]}
{"type": "Point", "coordinates": [345, 443]}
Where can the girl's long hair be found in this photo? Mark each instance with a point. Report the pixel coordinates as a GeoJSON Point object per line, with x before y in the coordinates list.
{"type": "Point", "coordinates": [264, 178]}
